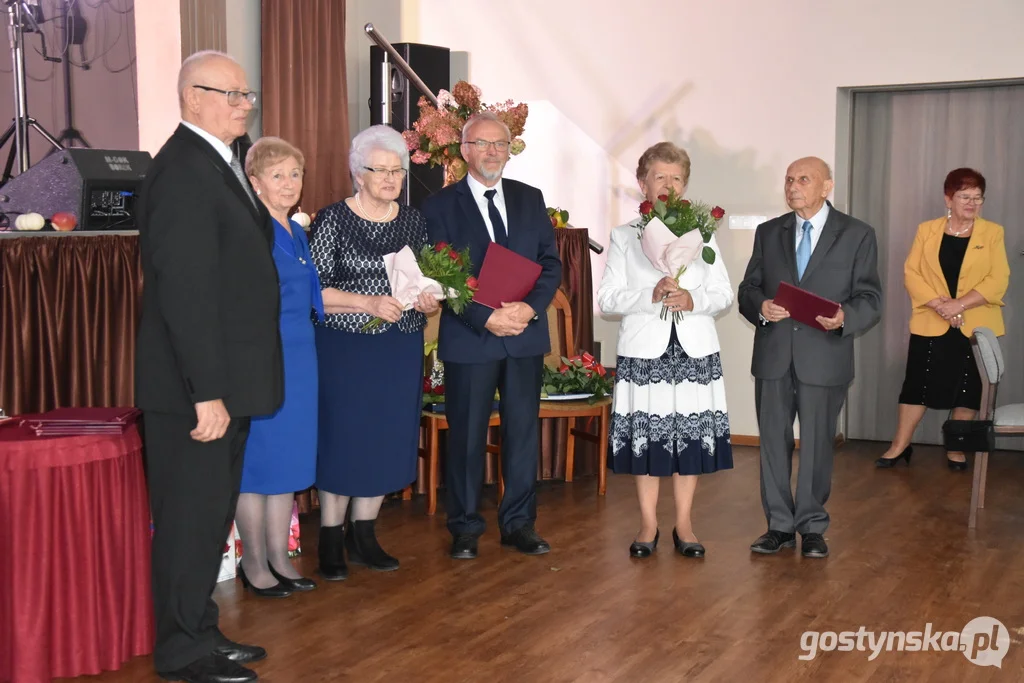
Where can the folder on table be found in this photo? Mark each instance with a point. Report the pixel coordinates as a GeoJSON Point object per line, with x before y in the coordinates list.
{"type": "Point", "coordinates": [505, 277]}
{"type": "Point", "coordinates": [803, 306]}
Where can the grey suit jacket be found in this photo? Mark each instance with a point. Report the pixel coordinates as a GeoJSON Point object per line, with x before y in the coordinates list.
{"type": "Point", "coordinates": [843, 268]}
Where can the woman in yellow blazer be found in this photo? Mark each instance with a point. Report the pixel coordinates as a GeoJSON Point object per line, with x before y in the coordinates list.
{"type": "Point", "coordinates": [956, 275]}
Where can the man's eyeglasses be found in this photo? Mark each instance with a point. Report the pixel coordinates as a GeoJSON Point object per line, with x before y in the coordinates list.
{"type": "Point", "coordinates": [235, 97]}
{"type": "Point", "coordinates": [386, 172]}
{"type": "Point", "coordinates": [968, 199]}
{"type": "Point", "coordinates": [482, 145]}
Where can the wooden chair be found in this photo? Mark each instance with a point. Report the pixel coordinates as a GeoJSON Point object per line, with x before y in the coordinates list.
{"type": "Point", "coordinates": [1007, 420]}
{"type": "Point", "coordinates": [564, 345]}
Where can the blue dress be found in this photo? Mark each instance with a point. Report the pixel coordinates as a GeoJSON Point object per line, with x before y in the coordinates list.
{"type": "Point", "coordinates": [280, 455]}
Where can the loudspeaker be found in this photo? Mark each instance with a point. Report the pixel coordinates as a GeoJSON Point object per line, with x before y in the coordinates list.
{"type": "Point", "coordinates": [432, 64]}
{"type": "Point", "coordinates": [98, 186]}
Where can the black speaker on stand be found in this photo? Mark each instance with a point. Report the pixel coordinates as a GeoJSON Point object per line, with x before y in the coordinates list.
{"type": "Point", "coordinates": [432, 64]}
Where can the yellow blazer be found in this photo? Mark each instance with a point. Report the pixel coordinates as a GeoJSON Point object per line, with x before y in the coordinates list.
{"type": "Point", "coordinates": [984, 269]}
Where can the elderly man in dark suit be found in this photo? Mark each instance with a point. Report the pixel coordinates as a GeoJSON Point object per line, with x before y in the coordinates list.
{"type": "Point", "coordinates": [209, 357]}
{"type": "Point", "coordinates": [484, 349]}
{"type": "Point", "coordinates": [801, 371]}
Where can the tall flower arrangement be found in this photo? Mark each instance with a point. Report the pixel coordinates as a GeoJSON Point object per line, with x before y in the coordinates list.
{"type": "Point", "coordinates": [436, 136]}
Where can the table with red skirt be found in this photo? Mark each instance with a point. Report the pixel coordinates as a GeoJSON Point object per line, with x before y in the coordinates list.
{"type": "Point", "coordinates": [75, 563]}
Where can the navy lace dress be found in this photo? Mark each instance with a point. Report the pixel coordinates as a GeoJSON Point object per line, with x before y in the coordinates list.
{"type": "Point", "coordinates": [371, 383]}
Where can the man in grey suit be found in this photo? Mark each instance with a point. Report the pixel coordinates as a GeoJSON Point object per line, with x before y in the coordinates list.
{"type": "Point", "coordinates": [800, 370]}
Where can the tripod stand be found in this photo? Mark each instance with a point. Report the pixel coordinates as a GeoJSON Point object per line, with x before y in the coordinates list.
{"type": "Point", "coordinates": [17, 13]}
{"type": "Point", "coordinates": [70, 136]}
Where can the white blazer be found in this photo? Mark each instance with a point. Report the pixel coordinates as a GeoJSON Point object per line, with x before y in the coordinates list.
{"type": "Point", "coordinates": [628, 285]}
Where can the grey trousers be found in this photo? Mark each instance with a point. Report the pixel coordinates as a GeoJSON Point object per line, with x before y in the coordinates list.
{"type": "Point", "coordinates": [779, 402]}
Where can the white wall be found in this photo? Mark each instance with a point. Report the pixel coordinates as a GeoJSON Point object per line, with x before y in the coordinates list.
{"type": "Point", "coordinates": [244, 41]}
{"type": "Point", "coordinates": [744, 86]}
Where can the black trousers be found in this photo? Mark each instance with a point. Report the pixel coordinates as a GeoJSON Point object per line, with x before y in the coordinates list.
{"type": "Point", "coordinates": [469, 395]}
{"type": "Point", "coordinates": [193, 490]}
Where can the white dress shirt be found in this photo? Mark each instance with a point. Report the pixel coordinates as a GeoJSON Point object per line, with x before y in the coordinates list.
{"type": "Point", "coordinates": [478, 189]}
{"type": "Point", "coordinates": [216, 143]}
{"type": "Point", "coordinates": [817, 225]}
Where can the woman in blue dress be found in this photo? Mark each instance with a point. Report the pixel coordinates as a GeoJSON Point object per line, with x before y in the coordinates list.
{"type": "Point", "coordinates": [280, 455]}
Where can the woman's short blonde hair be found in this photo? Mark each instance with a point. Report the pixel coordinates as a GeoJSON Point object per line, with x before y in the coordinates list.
{"type": "Point", "coordinates": [665, 152]}
{"type": "Point", "coordinates": [268, 151]}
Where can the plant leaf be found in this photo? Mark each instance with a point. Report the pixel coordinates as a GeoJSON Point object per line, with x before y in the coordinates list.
{"type": "Point", "coordinates": [709, 255]}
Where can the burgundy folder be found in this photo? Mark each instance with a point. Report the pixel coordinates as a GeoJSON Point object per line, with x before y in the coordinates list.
{"type": "Point", "coordinates": [803, 306]}
{"type": "Point", "coordinates": [505, 277]}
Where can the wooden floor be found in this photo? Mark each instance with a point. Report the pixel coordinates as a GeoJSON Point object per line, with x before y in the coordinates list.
{"type": "Point", "coordinates": [902, 557]}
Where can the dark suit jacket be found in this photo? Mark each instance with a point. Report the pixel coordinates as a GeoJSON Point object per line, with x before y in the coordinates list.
{"type": "Point", "coordinates": [210, 299]}
{"type": "Point", "coordinates": [453, 217]}
{"type": "Point", "coordinates": [843, 268]}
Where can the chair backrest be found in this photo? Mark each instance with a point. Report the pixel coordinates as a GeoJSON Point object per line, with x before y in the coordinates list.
{"type": "Point", "coordinates": [989, 358]}
{"type": "Point", "coordinates": [559, 330]}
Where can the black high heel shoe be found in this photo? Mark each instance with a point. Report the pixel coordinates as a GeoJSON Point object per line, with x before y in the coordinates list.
{"type": "Point", "coordinates": [641, 549]}
{"type": "Point", "coordinates": [886, 463]}
{"type": "Point", "coordinates": [276, 591]}
{"type": "Point", "coordinates": [957, 466]}
{"type": "Point", "coordinates": [687, 549]}
{"type": "Point", "coordinates": [299, 585]}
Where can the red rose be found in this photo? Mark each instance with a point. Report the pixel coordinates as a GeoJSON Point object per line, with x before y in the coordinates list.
{"type": "Point", "coordinates": [455, 257]}
{"type": "Point", "coordinates": [646, 207]}
{"type": "Point", "coordinates": [440, 246]}
{"type": "Point", "coordinates": [439, 390]}
{"type": "Point", "coordinates": [685, 202]}
{"type": "Point", "coordinates": [472, 283]}
{"type": "Point", "coordinates": [663, 197]}
{"type": "Point", "coordinates": [426, 385]}
{"type": "Point", "coordinates": [717, 213]}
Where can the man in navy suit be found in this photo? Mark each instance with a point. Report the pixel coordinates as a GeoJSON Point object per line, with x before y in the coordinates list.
{"type": "Point", "coordinates": [485, 349]}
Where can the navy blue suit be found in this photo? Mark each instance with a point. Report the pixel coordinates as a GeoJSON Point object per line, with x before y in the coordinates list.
{"type": "Point", "coordinates": [477, 362]}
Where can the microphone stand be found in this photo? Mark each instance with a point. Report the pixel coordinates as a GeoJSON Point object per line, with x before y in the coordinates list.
{"type": "Point", "coordinates": [17, 14]}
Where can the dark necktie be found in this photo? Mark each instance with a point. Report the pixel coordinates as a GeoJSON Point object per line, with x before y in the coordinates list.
{"type": "Point", "coordinates": [500, 236]}
{"type": "Point", "coordinates": [236, 168]}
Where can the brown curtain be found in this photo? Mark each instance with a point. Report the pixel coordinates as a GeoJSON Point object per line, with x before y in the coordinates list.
{"type": "Point", "coordinates": [305, 96]}
{"type": "Point", "coordinates": [204, 26]}
{"type": "Point", "coordinates": [69, 308]}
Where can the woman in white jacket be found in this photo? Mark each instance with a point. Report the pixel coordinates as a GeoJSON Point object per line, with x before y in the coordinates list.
{"type": "Point", "coordinates": [669, 416]}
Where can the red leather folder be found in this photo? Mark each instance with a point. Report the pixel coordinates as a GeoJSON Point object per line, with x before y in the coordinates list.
{"type": "Point", "coordinates": [505, 277]}
{"type": "Point", "coordinates": [803, 306]}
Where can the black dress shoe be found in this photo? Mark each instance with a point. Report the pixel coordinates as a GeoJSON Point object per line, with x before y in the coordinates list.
{"type": "Point", "coordinates": [956, 466]}
{"type": "Point", "coordinates": [464, 547]}
{"type": "Point", "coordinates": [211, 669]}
{"type": "Point", "coordinates": [526, 540]}
{"type": "Point", "coordinates": [299, 585]}
{"type": "Point", "coordinates": [239, 653]}
{"type": "Point", "coordinates": [813, 545]}
{"type": "Point", "coordinates": [886, 463]}
{"type": "Point", "coordinates": [642, 549]}
{"type": "Point", "coordinates": [773, 541]}
{"type": "Point", "coordinates": [276, 591]}
{"type": "Point", "coordinates": [687, 549]}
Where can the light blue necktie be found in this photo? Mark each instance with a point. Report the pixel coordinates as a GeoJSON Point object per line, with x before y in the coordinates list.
{"type": "Point", "coordinates": [803, 250]}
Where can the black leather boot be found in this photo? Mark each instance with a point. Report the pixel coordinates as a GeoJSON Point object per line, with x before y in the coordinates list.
{"type": "Point", "coordinates": [363, 548]}
{"type": "Point", "coordinates": [332, 553]}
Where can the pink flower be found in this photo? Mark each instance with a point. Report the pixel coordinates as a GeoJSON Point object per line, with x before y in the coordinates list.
{"type": "Point", "coordinates": [420, 157]}
{"type": "Point", "coordinates": [412, 140]}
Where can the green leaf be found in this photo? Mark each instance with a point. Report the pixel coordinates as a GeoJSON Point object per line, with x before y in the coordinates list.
{"type": "Point", "coordinates": [565, 216]}
{"type": "Point", "coordinates": [709, 255]}
{"type": "Point", "coordinates": [670, 220]}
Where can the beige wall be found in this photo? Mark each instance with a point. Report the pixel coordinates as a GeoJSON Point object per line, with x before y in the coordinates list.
{"type": "Point", "coordinates": [745, 86]}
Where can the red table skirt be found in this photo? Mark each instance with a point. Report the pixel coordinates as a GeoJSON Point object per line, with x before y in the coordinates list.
{"type": "Point", "coordinates": [74, 555]}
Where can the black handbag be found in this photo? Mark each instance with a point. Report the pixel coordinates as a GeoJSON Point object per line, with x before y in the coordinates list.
{"type": "Point", "coordinates": [969, 436]}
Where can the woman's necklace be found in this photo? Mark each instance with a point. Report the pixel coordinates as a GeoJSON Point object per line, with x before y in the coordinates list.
{"type": "Point", "coordinates": [368, 216]}
{"type": "Point", "coordinates": [949, 227]}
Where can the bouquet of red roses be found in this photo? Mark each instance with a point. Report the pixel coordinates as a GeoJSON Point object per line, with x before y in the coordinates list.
{"type": "Point", "coordinates": [673, 231]}
{"type": "Point", "coordinates": [438, 269]}
{"type": "Point", "coordinates": [580, 374]}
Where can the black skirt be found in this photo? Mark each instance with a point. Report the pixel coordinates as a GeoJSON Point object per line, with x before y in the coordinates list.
{"type": "Point", "coordinates": [941, 373]}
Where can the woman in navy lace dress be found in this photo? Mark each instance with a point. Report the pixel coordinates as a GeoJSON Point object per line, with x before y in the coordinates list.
{"type": "Point", "coordinates": [669, 416]}
{"type": "Point", "coordinates": [371, 382]}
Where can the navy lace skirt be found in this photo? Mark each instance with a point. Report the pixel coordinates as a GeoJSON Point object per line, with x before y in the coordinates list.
{"type": "Point", "coordinates": [669, 415]}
